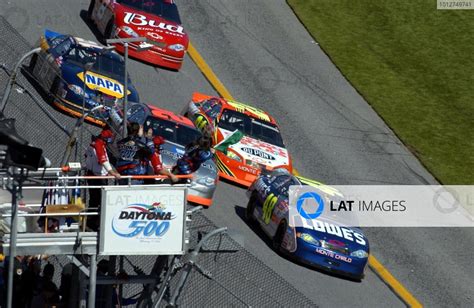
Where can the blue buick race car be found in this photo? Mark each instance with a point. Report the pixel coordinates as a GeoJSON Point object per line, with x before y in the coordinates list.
{"type": "Point", "coordinates": [80, 74]}
{"type": "Point", "coordinates": [331, 247]}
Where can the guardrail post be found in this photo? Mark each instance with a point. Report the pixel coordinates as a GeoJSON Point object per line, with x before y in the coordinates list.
{"type": "Point", "coordinates": [12, 252]}
{"type": "Point", "coordinates": [92, 281]}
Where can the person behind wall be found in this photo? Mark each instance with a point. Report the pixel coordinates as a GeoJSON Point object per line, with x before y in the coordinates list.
{"type": "Point", "coordinates": [98, 164]}
{"type": "Point", "coordinates": [196, 153]}
{"type": "Point", "coordinates": [155, 161]}
{"type": "Point", "coordinates": [134, 151]}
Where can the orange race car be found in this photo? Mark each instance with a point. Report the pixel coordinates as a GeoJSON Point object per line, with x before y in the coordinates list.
{"type": "Point", "coordinates": [246, 139]}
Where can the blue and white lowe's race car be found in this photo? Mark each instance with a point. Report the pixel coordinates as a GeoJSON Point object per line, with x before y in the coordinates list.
{"type": "Point", "coordinates": [329, 246]}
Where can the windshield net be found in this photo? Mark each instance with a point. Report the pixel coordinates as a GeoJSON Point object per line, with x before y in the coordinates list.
{"type": "Point", "coordinates": [171, 131]}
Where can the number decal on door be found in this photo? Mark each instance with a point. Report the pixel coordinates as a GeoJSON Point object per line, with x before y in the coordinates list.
{"type": "Point", "coordinates": [268, 206]}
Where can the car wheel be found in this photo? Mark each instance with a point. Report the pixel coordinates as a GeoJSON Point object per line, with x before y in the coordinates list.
{"type": "Point", "coordinates": [279, 235]}
{"type": "Point", "coordinates": [109, 29]}
{"type": "Point", "coordinates": [251, 208]}
{"type": "Point", "coordinates": [91, 9]}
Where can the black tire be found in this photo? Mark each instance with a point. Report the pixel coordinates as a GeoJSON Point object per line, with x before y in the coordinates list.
{"type": "Point", "coordinates": [280, 233]}
{"type": "Point", "coordinates": [108, 29]}
{"type": "Point", "coordinates": [91, 9]}
{"type": "Point", "coordinates": [251, 208]}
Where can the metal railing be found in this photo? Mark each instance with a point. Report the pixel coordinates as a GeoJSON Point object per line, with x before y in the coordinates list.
{"type": "Point", "coordinates": [59, 182]}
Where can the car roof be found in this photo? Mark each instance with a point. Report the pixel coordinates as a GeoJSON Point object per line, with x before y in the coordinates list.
{"type": "Point", "coordinates": [170, 116]}
{"type": "Point", "coordinates": [248, 110]}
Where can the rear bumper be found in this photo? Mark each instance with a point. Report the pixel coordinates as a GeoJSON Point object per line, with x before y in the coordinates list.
{"type": "Point", "coordinates": [152, 56]}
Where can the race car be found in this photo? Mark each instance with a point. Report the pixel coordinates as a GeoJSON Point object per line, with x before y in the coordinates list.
{"type": "Point", "coordinates": [78, 73]}
{"type": "Point", "coordinates": [247, 139]}
{"type": "Point", "coordinates": [177, 132]}
{"type": "Point", "coordinates": [332, 246]}
{"type": "Point", "coordinates": [156, 20]}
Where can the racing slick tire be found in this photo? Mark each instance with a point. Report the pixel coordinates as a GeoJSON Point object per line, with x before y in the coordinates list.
{"type": "Point", "coordinates": [279, 235]}
{"type": "Point", "coordinates": [250, 208]}
{"type": "Point", "coordinates": [90, 9]}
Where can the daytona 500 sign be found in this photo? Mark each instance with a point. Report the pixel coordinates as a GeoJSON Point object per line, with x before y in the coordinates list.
{"type": "Point", "coordinates": [142, 221]}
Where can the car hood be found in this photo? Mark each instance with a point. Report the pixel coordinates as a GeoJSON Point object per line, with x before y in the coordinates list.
{"type": "Point", "coordinates": [158, 30]}
{"type": "Point", "coordinates": [258, 151]}
{"type": "Point", "coordinates": [171, 152]}
{"type": "Point", "coordinates": [337, 235]}
{"type": "Point", "coordinates": [96, 81]}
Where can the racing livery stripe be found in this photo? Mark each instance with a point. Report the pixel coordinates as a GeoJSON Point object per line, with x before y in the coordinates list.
{"type": "Point", "coordinates": [223, 167]}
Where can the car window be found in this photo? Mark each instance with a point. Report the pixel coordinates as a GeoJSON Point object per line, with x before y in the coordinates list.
{"type": "Point", "coordinates": [165, 9]}
{"type": "Point", "coordinates": [60, 45]}
{"type": "Point", "coordinates": [136, 113]}
{"type": "Point", "coordinates": [211, 108]}
{"type": "Point", "coordinates": [255, 128]}
{"type": "Point", "coordinates": [172, 131]}
{"type": "Point", "coordinates": [283, 182]}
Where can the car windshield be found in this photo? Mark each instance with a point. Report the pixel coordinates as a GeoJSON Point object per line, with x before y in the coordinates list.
{"type": "Point", "coordinates": [283, 182]}
{"type": "Point", "coordinates": [257, 129]}
{"type": "Point", "coordinates": [107, 64]}
{"type": "Point", "coordinates": [60, 45]}
{"type": "Point", "coordinates": [165, 9]}
{"type": "Point", "coordinates": [171, 131]}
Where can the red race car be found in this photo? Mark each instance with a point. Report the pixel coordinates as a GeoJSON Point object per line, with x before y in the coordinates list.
{"type": "Point", "coordinates": [246, 139]}
{"type": "Point", "coordinates": [157, 20]}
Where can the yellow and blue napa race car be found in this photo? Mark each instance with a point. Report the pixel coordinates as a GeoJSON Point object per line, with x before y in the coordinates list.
{"type": "Point", "coordinates": [78, 73]}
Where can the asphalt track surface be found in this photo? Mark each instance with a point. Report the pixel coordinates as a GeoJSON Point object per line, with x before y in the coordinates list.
{"type": "Point", "coordinates": [264, 56]}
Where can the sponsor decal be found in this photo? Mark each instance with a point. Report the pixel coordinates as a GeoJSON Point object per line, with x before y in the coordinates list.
{"type": "Point", "coordinates": [267, 208]}
{"type": "Point", "coordinates": [252, 110]}
{"type": "Point", "coordinates": [141, 20]}
{"type": "Point", "coordinates": [154, 35]}
{"type": "Point", "coordinates": [338, 231]}
{"type": "Point", "coordinates": [247, 169]}
{"type": "Point", "coordinates": [102, 83]}
{"type": "Point", "coordinates": [258, 153]}
{"type": "Point", "coordinates": [267, 147]}
{"type": "Point", "coordinates": [142, 221]}
{"type": "Point", "coordinates": [333, 255]}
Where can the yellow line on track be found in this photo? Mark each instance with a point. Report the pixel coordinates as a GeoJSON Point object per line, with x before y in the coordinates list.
{"type": "Point", "coordinates": [208, 73]}
{"type": "Point", "coordinates": [393, 283]}
{"type": "Point", "coordinates": [374, 264]}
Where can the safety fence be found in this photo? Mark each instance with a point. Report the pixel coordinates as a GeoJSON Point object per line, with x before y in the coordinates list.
{"type": "Point", "coordinates": [229, 275]}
